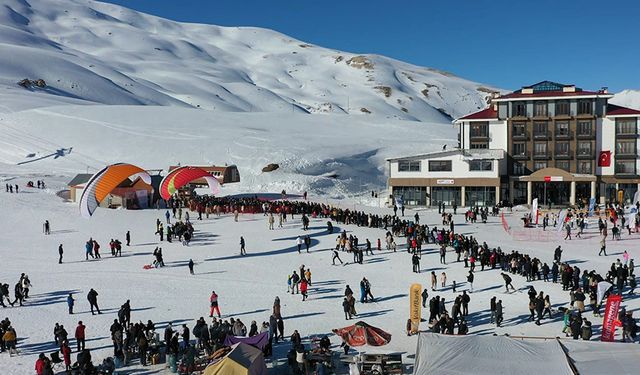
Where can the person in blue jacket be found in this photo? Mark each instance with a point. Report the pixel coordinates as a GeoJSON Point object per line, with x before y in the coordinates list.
{"type": "Point", "coordinates": [70, 303]}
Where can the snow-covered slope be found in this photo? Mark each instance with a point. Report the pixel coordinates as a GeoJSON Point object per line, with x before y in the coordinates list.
{"type": "Point", "coordinates": [627, 98]}
{"type": "Point", "coordinates": [95, 52]}
{"type": "Point", "coordinates": [330, 154]}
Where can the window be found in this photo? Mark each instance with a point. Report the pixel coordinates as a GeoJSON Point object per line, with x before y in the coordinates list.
{"type": "Point", "coordinates": [518, 169]}
{"type": "Point", "coordinates": [563, 164]}
{"type": "Point", "coordinates": [626, 147]}
{"type": "Point", "coordinates": [480, 165]}
{"type": "Point", "coordinates": [585, 167]}
{"type": "Point", "coordinates": [562, 129]}
{"type": "Point", "coordinates": [584, 128]}
{"type": "Point", "coordinates": [562, 108]}
{"type": "Point", "coordinates": [625, 126]}
{"type": "Point", "coordinates": [562, 148]}
{"type": "Point", "coordinates": [477, 145]}
{"type": "Point", "coordinates": [540, 109]}
{"type": "Point", "coordinates": [584, 107]}
{"type": "Point", "coordinates": [540, 148]}
{"type": "Point", "coordinates": [409, 166]}
{"type": "Point", "coordinates": [520, 109]}
{"type": "Point", "coordinates": [440, 166]}
{"type": "Point", "coordinates": [479, 130]}
{"type": "Point", "coordinates": [584, 148]}
{"type": "Point", "coordinates": [539, 165]}
{"type": "Point", "coordinates": [626, 166]}
{"type": "Point", "coordinates": [519, 148]}
{"type": "Point", "coordinates": [540, 129]}
{"type": "Point", "coordinates": [519, 129]}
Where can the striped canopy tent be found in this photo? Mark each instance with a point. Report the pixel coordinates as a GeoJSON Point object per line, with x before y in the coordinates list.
{"type": "Point", "coordinates": [243, 359]}
{"type": "Point", "coordinates": [102, 183]}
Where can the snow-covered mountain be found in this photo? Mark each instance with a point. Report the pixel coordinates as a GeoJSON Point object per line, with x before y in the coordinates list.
{"type": "Point", "coordinates": [93, 52]}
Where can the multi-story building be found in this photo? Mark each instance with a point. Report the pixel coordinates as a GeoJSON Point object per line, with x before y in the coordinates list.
{"type": "Point", "coordinates": [556, 142]}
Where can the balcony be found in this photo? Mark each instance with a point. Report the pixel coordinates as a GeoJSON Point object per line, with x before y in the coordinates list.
{"type": "Point", "coordinates": [563, 155]}
{"type": "Point", "coordinates": [479, 137]}
{"type": "Point", "coordinates": [564, 136]}
{"type": "Point", "coordinates": [521, 156]}
{"type": "Point", "coordinates": [588, 154]}
{"type": "Point", "coordinates": [542, 156]}
{"type": "Point", "coordinates": [586, 136]}
{"type": "Point", "coordinates": [542, 135]}
{"type": "Point", "coordinates": [626, 135]}
{"type": "Point", "coordinates": [520, 136]}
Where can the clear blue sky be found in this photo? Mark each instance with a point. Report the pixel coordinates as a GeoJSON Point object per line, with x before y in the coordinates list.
{"type": "Point", "coordinates": [505, 43]}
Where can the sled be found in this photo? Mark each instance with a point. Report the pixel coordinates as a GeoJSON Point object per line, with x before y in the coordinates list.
{"type": "Point", "coordinates": [147, 267]}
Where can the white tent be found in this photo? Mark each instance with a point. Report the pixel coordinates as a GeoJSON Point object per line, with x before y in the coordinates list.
{"type": "Point", "coordinates": [490, 355]}
{"type": "Point", "coordinates": [597, 358]}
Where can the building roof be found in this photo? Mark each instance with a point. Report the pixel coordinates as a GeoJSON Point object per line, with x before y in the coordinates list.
{"type": "Point", "coordinates": [549, 89]}
{"type": "Point", "coordinates": [80, 179]}
{"type": "Point", "coordinates": [616, 110]}
{"type": "Point", "coordinates": [485, 114]}
{"type": "Point", "coordinates": [482, 153]}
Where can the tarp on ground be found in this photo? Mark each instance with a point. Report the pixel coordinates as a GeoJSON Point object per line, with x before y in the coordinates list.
{"type": "Point", "coordinates": [259, 341]}
{"type": "Point", "coordinates": [490, 355]}
{"type": "Point", "coordinates": [243, 359]}
{"type": "Point", "coordinates": [596, 358]}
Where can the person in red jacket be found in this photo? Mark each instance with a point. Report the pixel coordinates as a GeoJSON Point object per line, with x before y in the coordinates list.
{"type": "Point", "coordinates": [66, 355]}
{"type": "Point", "coordinates": [214, 304]}
{"type": "Point", "coordinates": [40, 364]}
{"type": "Point", "coordinates": [304, 285]}
{"type": "Point", "coordinates": [80, 335]}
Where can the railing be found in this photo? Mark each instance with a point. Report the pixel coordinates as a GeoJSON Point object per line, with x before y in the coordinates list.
{"type": "Point", "coordinates": [542, 156]}
{"type": "Point", "coordinates": [585, 154]}
{"type": "Point", "coordinates": [566, 136]}
{"type": "Point", "coordinates": [522, 156]}
{"type": "Point", "coordinates": [564, 155]}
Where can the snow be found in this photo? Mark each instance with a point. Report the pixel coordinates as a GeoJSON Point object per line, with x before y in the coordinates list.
{"type": "Point", "coordinates": [246, 285]}
{"type": "Point", "coordinates": [627, 98]}
{"type": "Point", "coordinates": [102, 53]}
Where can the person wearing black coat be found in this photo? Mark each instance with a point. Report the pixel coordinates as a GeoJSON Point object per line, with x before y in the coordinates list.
{"type": "Point", "coordinates": [346, 307]}
{"type": "Point", "coordinates": [92, 297]}
{"type": "Point", "coordinates": [539, 307]}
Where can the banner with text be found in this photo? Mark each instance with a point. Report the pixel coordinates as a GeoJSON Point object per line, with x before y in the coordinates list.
{"type": "Point", "coordinates": [610, 317]}
{"type": "Point", "coordinates": [534, 212]}
{"type": "Point", "coordinates": [415, 307]}
{"type": "Point", "coordinates": [505, 225]}
{"type": "Point", "coordinates": [592, 206]}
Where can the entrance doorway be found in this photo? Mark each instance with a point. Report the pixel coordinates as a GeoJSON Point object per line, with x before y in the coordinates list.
{"type": "Point", "coordinates": [557, 193]}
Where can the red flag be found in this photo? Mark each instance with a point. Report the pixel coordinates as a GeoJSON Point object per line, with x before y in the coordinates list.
{"type": "Point", "coordinates": [610, 317]}
{"type": "Point", "coordinates": [604, 160]}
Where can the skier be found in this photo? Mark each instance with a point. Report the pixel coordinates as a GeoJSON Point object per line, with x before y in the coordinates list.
{"type": "Point", "coordinates": [214, 304]}
{"type": "Point", "coordinates": [92, 297]}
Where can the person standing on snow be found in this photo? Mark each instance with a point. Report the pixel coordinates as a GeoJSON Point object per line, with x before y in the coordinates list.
{"type": "Point", "coordinates": [167, 215]}
{"type": "Point", "coordinates": [243, 252]}
{"type": "Point", "coordinates": [47, 227]}
{"type": "Point", "coordinates": [70, 303]}
{"type": "Point", "coordinates": [336, 256]}
{"type": "Point", "coordinates": [303, 288]}
{"type": "Point", "coordinates": [92, 297]}
{"type": "Point", "coordinates": [128, 238]}
{"type": "Point", "coordinates": [299, 243]}
{"type": "Point", "coordinates": [60, 252]}
{"type": "Point", "coordinates": [191, 266]}
{"type": "Point", "coordinates": [80, 336]}
{"type": "Point", "coordinates": [214, 304]}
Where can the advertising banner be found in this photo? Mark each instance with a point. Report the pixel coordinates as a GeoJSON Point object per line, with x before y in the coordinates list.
{"type": "Point", "coordinates": [415, 306]}
{"type": "Point", "coordinates": [610, 317]}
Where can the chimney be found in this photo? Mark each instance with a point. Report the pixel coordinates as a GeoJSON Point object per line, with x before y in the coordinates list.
{"type": "Point", "coordinates": [604, 90]}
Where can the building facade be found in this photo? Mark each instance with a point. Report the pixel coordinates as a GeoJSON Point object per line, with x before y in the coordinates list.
{"type": "Point", "coordinates": [561, 144]}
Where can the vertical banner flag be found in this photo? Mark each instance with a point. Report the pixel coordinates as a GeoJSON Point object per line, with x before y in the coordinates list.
{"type": "Point", "coordinates": [415, 307]}
{"type": "Point", "coordinates": [603, 286]}
{"type": "Point", "coordinates": [610, 317]}
{"type": "Point", "coordinates": [505, 225]}
{"type": "Point", "coordinates": [604, 160]}
{"type": "Point", "coordinates": [534, 211]}
{"type": "Point", "coordinates": [562, 216]}
{"type": "Point", "coordinates": [592, 206]}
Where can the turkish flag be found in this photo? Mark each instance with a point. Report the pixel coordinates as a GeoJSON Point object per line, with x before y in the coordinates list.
{"type": "Point", "coordinates": [604, 160]}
